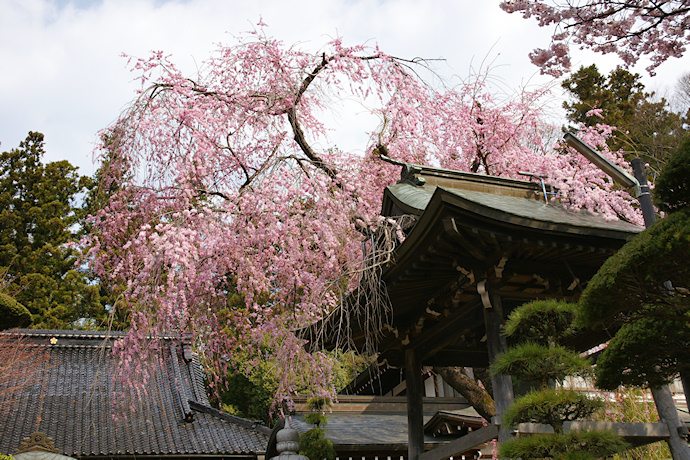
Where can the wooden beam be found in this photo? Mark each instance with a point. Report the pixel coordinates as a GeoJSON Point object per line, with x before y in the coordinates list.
{"type": "Point", "coordinates": [458, 446]}
{"type": "Point", "coordinates": [666, 408]}
{"type": "Point", "coordinates": [471, 247]}
{"type": "Point", "coordinates": [448, 357]}
{"type": "Point", "coordinates": [437, 337]}
{"type": "Point", "coordinates": [637, 434]}
{"type": "Point", "coordinates": [547, 268]}
{"type": "Point", "coordinates": [656, 430]}
{"type": "Point", "coordinates": [415, 405]}
{"type": "Point", "coordinates": [459, 358]}
{"type": "Point", "coordinates": [524, 297]}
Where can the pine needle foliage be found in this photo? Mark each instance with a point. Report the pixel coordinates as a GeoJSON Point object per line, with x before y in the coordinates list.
{"type": "Point", "coordinates": [646, 352]}
{"type": "Point", "coordinates": [579, 445]}
{"type": "Point", "coordinates": [552, 406]}
{"type": "Point", "coordinates": [672, 188]}
{"type": "Point", "coordinates": [313, 443]}
{"type": "Point", "coordinates": [536, 328]}
{"type": "Point", "coordinates": [39, 250]}
{"type": "Point", "coordinates": [634, 282]}
{"type": "Point", "coordinates": [643, 292]}
{"type": "Point", "coordinates": [541, 322]}
{"type": "Point", "coordinates": [533, 362]}
{"type": "Point", "coordinates": [12, 313]}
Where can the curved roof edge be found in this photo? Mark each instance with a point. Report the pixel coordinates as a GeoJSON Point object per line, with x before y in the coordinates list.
{"type": "Point", "coordinates": [514, 210]}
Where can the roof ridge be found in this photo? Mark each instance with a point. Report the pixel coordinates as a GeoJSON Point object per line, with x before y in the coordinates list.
{"type": "Point", "coordinates": [179, 387]}
{"type": "Point", "coordinates": [229, 417]}
{"type": "Point", "coordinates": [82, 334]}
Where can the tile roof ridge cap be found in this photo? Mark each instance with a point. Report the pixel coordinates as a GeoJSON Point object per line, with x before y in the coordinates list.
{"type": "Point", "coordinates": [72, 333]}
{"type": "Point", "coordinates": [87, 333]}
{"type": "Point", "coordinates": [197, 406]}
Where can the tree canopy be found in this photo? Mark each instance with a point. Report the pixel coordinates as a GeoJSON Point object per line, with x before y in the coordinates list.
{"type": "Point", "coordinates": [648, 276]}
{"type": "Point", "coordinates": [229, 187]}
{"type": "Point", "coordinates": [631, 29]}
{"type": "Point", "coordinates": [38, 252]}
{"type": "Point", "coordinates": [537, 328]}
{"type": "Point", "coordinates": [645, 352]}
{"type": "Point", "coordinates": [646, 126]}
{"type": "Point", "coordinates": [12, 313]}
{"type": "Point", "coordinates": [672, 191]}
{"type": "Point", "coordinates": [643, 289]}
{"type": "Point", "coordinates": [617, 96]}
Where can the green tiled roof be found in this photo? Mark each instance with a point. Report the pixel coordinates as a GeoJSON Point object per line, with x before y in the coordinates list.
{"type": "Point", "coordinates": [502, 207]}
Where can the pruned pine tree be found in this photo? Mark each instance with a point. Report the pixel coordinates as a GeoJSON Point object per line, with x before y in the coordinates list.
{"type": "Point", "coordinates": [537, 330]}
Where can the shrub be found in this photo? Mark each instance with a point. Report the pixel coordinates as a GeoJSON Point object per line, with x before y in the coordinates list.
{"type": "Point", "coordinates": [313, 443]}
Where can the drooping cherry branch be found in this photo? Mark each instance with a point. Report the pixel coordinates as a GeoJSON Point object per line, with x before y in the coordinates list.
{"type": "Point", "coordinates": [631, 29]}
{"type": "Point", "coordinates": [227, 222]}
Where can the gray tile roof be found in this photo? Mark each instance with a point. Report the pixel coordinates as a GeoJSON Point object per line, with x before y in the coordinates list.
{"type": "Point", "coordinates": [379, 431]}
{"type": "Point", "coordinates": [77, 403]}
{"type": "Point", "coordinates": [362, 429]}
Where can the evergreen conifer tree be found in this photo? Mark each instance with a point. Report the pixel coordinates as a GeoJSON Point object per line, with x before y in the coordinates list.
{"type": "Point", "coordinates": [39, 219]}
{"type": "Point", "coordinates": [538, 330]}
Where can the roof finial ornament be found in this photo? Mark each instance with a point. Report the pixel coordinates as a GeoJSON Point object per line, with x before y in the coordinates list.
{"type": "Point", "coordinates": [287, 443]}
{"type": "Point", "coordinates": [409, 172]}
{"type": "Point", "coordinates": [37, 442]}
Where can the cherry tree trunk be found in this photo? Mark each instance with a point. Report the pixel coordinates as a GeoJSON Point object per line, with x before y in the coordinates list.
{"type": "Point", "coordinates": [477, 396]}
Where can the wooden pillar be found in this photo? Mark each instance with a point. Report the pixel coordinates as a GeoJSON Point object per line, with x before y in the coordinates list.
{"type": "Point", "coordinates": [668, 414]}
{"type": "Point", "coordinates": [415, 409]}
{"type": "Point", "coordinates": [496, 342]}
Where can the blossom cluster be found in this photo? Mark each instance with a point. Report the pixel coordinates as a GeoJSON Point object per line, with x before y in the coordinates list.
{"type": "Point", "coordinates": [225, 222]}
{"type": "Point", "coordinates": [628, 28]}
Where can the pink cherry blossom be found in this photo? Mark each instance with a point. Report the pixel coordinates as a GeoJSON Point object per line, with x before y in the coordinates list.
{"type": "Point", "coordinates": [230, 224]}
{"type": "Point", "coordinates": [629, 28]}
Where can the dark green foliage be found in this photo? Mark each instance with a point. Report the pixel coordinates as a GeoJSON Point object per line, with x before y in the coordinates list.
{"type": "Point", "coordinates": [539, 322]}
{"type": "Point", "coordinates": [317, 417]}
{"type": "Point", "coordinates": [551, 406]}
{"type": "Point", "coordinates": [250, 390]}
{"type": "Point", "coordinates": [251, 395]}
{"type": "Point", "coordinates": [672, 188]}
{"type": "Point", "coordinates": [646, 127]}
{"type": "Point", "coordinates": [644, 289]}
{"type": "Point", "coordinates": [618, 95]}
{"type": "Point", "coordinates": [646, 352]}
{"type": "Point", "coordinates": [313, 443]}
{"type": "Point", "coordinates": [538, 363]}
{"type": "Point", "coordinates": [578, 445]}
{"type": "Point", "coordinates": [549, 322]}
{"type": "Point", "coordinates": [12, 313]}
{"type": "Point", "coordinates": [39, 220]}
{"type": "Point", "coordinates": [638, 276]}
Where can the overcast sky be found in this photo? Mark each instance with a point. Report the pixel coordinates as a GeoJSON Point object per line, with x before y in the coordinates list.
{"type": "Point", "coordinates": [63, 74]}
